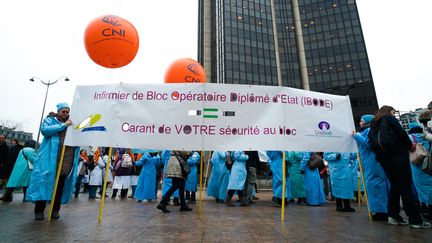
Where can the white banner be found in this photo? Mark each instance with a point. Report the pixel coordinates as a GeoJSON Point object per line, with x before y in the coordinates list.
{"type": "Point", "coordinates": [210, 117]}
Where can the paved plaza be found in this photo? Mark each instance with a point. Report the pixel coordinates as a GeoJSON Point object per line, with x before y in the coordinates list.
{"type": "Point", "coordinates": [129, 221]}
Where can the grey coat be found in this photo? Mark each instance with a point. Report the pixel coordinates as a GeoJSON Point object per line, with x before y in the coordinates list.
{"type": "Point", "coordinates": [173, 169]}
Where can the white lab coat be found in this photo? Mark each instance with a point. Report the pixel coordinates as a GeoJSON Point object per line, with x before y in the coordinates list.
{"type": "Point", "coordinates": [96, 175]}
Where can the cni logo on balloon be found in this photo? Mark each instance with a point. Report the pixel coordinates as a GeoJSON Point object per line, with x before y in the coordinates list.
{"type": "Point", "coordinates": [111, 41]}
{"type": "Point", "coordinates": [111, 19]}
{"type": "Point", "coordinates": [185, 70]}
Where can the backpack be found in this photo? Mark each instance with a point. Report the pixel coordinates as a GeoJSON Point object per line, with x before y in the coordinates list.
{"type": "Point", "coordinates": [184, 165]}
{"type": "Point", "coordinates": [315, 162]}
{"type": "Point", "coordinates": [427, 162]}
{"type": "Point", "coordinates": [126, 161]}
{"type": "Point", "coordinates": [382, 137]}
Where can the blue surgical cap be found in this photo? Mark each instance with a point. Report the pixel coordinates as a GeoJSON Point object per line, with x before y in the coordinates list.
{"type": "Point", "coordinates": [62, 105]}
{"type": "Point", "coordinates": [413, 124]}
{"type": "Point", "coordinates": [367, 118]}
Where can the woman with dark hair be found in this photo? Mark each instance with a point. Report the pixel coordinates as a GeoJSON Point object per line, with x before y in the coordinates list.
{"type": "Point", "coordinates": [392, 145]}
{"type": "Point", "coordinates": [82, 167]}
{"type": "Point", "coordinates": [97, 173]}
{"type": "Point", "coordinates": [21, 172]}
{"type": "Point", "coordinates": [16, 142]}
{"type": "Point", "coordinates": [123, 170]}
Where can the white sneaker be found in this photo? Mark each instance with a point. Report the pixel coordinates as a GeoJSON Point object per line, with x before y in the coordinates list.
{"type": "Point", "coordinates": [424, 225]}
{"type": "Point", "coordinates": [393, 221]}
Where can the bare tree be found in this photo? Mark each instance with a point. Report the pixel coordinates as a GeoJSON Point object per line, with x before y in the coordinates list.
{"type": "Point", "coordinates": [9, 124]}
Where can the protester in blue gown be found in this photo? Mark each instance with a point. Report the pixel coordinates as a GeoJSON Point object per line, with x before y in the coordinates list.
{"type": "Point", "coordinates": [217, 159]}
{"type": "Point", "coordinates": [377, 185]}
{"type": "Point", "coordinates": [147, 179]}
{"type": "Point", "coordinates": [224, 180]}
{"type": "Point", "coordinates": [314, 186]}
{"type": "Point", "coordinates": [192, 179]}
{"type": "Point", "coordinates": [237, 178]}
{"type": "Point", "coordinates": [298, 188]}
{"type": "Point", "coordinates": [21, 172]}
{"type": "Point", "coordinates": [43, 176]}
{"type": "Point", "coordinates": [341, 179]}
{"type": "Point", "coordinates": [422, 180]}
{"type": "Point", "coordinates": [167, 182]}
{"type": "Point", "coordinates": [275, 163]}
{"type": "Point", "coordinates": [219, 176]}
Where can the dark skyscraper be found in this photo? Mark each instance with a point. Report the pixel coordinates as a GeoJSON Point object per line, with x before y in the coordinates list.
{"type": "Point", "coordinates": [236, 46]}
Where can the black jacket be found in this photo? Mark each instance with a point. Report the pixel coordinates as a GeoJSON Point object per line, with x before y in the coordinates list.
{"type": "Point", "coordinates": [4, 149]}
{"type": "Point", "coordinates": [404, 143]}
{"type": "Point", "coordinates": [253, 159]}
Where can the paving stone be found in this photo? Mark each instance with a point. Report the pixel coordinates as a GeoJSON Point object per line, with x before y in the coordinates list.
{"type": "Point", "coordinates": [129, 221]}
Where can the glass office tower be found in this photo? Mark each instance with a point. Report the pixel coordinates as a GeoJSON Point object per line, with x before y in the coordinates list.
{"type": "Point", "coordinates": [236, 46]}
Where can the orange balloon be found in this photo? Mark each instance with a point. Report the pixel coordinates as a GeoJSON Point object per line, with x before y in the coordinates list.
{"type": "Point", "coordinates": [111, 41]}
{"type": "Point", "coordinates": [185, 70]}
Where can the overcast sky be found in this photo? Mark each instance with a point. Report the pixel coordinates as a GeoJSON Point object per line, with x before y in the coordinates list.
{"type": "Point", "coordinates": [44, 38]}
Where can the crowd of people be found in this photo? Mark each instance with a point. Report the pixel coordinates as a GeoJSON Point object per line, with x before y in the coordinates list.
{"type": "Point", "coordinates": [312, 178]}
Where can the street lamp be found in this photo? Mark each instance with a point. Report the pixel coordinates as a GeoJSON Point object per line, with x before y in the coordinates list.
{"type": "Point", "coordinates": [47, 84]}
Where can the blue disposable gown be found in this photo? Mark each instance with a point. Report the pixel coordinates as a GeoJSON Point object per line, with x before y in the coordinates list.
{"type": "Point", "coordinates": [192, 179]}
{"type": "Point", "coordinates": [377, 185]}
{"type": "Point", "coordinates": [42, 179]}
{"type": "Point", "coordinates": [21, 172]}
{"type": "Point", "coordinates": [218, 157]}
{"type": "Point", "coordinates": [224, 180]}
{"type": "Point", "coordinates": [275, 163]}
{"type": "Point", "coordinates": [356, 176]}
{"type": "Point", "coordinates": [167, 182]}
{"type": "Point", "coordinates": [422, 181]}
{"type": "Point", "coordinates": [298, 187]}
{"type": "Point", "coordinates": [219, 176]}
{"type": "Point", "coordinates": [314, 186]}
{"type": "Point", "coordinates": [238, 174]}
{"type": "Point", "coordinates": [341, 174]}
{"type": "Point", "coordinates": [146, 185]}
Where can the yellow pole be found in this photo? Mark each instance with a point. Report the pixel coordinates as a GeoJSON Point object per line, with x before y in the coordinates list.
{"type": "Point", "coordinates": [56, 183]}
{"type": "Point", "coordinates": [102, 203]}
{"type": "Point", "coordinates": [205, 179]}
{"type": "Point", "coordinates": [200, 183]}
{"type": "Point", "coordinates": [364, 184]}
{"type": "Point", "coordinates": [358, 193]}
{"type": "Point", "coordinates": [283, 188]}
